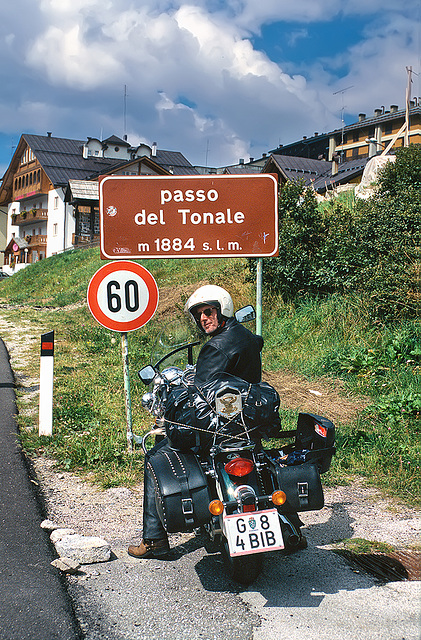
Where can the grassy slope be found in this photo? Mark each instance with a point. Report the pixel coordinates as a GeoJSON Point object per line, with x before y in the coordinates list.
{"type": "Point", "coordinates": [319, 338]}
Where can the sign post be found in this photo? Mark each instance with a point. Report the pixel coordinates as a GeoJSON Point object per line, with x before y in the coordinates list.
{"type": "Point", "coordinates": [123, 296]}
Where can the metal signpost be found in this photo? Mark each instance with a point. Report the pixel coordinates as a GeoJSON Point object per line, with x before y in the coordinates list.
{"type": "Point", "coordinates": [123, 296]}
{"type": "Point", "coordinates": [190, 217]}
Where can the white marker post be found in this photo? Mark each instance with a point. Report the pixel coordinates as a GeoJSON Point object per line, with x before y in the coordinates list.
{"type": "Point", "coordinates": [46, 381]}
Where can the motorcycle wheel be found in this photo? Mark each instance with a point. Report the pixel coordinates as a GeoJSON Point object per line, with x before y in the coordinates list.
{"type": "Point", "coordinates": [242, 569]}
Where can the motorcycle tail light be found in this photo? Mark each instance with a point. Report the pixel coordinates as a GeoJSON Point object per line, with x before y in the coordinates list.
{"type": "Point", "coordinates": [247, 508]}
{"type": "Point", "coordinates": [239, 467]}
{"type": "Point", "coordinates": [279, 498]}
{"type": "Point", "coordinates": [216, 507]}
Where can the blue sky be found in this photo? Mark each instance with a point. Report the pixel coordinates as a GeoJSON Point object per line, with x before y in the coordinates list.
{"type": "Point", "coordinates": [217, 80]}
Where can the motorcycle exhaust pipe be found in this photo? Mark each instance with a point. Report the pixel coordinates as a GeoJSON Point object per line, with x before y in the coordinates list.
{"type": "Point", "coordinates": [291, 539]}
{"type": "Point", "coordinates": [290, 534]}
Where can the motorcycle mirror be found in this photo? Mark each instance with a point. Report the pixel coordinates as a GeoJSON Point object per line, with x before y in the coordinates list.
{"type": "Point", "coordinates": [245, 314]}
{"type": "Point", "coordinates": [147, 374]}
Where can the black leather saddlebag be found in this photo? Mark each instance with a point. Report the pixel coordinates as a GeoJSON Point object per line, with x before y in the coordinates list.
{"type": "Point", "coordinates": [302, 486]}
{"type": "Point", "coordinates": [181, 491]}
{"type": "Point", "coordinates": [316, 435]}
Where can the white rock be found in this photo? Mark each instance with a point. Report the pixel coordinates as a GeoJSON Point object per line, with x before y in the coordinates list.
{"type": "Point", "coordinates": [83, 549]}
{"type": "Point", "coordinates": [58, 534]}
{"type": "Point", "coordinates": [66, 565]}
{"type": "Point", "coordinates": [49, 525]}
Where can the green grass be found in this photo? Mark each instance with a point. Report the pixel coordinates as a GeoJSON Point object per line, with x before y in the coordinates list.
{"type": "Point", "coordinates": [331, 338]}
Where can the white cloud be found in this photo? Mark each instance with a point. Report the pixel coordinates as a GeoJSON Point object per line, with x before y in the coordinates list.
{"type": "Point", "coordinates": [194, 81]}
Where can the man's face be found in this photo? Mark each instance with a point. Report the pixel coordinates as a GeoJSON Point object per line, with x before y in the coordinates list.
{"type": "Point", "coordinates": [208, 318]}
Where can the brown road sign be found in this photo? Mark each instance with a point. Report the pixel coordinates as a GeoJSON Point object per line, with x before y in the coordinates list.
{"type": "Point", "coordinates": [188, 217]}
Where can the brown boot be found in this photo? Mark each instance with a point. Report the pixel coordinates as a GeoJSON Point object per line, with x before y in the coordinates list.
{"type": "Point", "coordinates": [150, 549]}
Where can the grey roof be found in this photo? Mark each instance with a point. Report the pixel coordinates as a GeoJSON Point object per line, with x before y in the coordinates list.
{"type": "Point", "coordinates": [83, 190]}
{"type": "Point", "coordinates": [62, 159]}
{"type": "Point", "coordinates": [346, 171]}
{"type": "Point", "coordinates": [387, 116]}
{"type": "Point", "coordinates": [297, 168]}
{"type": "Point", "coordinates": [116, 140]}
{"type": "Point", "coordinates": [242, 169]}
{"type": "Point", "coordinates": [21, 243]}
{"type": "Point", "coordinates": [174, 162]}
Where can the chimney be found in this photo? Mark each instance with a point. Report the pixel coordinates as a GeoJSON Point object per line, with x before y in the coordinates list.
{"type": "Point", "coordinates": [154, 149]}
{"type": "Point", "coordinates": [49, 134]}
{"type": "Point", "coordinates": [377, 112]}
{"type": "Point", "coordinates": [361, 117]}
{"type": "Point", "coordinates": [316, 133]}
{"type": "Point", "coordinates": [393, 108]}
{"type": "Point", "coordinates": [241, 161]}
{"type": "Point", "coordinates": [335, 164]}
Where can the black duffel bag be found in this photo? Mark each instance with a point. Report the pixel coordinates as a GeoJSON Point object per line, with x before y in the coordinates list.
{"type": "Point", "coordinates": [181, 491]}
{"type": "Point", "coordinates": [196, 406]}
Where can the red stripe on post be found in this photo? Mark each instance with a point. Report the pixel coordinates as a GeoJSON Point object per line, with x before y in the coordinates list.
{"type": "Point", "coordinates": [47, 344]}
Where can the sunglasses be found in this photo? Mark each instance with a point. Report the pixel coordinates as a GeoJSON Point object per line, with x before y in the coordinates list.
{"type": "Point", "coordinates": [207, 312]}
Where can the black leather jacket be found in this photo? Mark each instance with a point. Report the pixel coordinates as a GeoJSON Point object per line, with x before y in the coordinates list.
{"type": "Point", "coordinates": [232, 349]}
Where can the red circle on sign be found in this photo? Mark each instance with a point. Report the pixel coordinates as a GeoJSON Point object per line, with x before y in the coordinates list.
{"type": "Point", "coordinates": [105, 317]}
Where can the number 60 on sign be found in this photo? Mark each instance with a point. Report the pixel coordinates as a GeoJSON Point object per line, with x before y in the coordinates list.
{"type": "Point", "coordinates": [122, 296]}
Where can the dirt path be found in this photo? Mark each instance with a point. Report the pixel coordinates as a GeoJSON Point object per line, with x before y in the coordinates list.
{"type": "Point", "coordinates": [324, 397]}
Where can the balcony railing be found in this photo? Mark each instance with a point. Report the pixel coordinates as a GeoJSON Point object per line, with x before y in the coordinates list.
{"type": "Point", "coordinates": [31, 215]}
{"type": "Point", "coordinates": [35, 241]}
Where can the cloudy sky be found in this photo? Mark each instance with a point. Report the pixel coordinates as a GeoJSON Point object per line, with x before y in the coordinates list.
{"type": "Point", "coordinates": [217, 80]}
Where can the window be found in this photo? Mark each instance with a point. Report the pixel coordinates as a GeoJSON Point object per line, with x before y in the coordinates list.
{"type": "Point", "coordinates": [56, 202]}
{"type": "Point", "coordinates": [355, 136]}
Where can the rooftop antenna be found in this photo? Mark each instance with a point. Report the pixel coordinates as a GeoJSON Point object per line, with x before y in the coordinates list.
{"type": "Point", "coordinates": [207, 152]}
{"type": "Point", "coordinates": [124, 112]}
{"type": "Point", "coordinates": [342, 91]}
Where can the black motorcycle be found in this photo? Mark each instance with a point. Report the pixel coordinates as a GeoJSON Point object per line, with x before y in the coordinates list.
{"type": "Point", "coordinates": [218, 476]}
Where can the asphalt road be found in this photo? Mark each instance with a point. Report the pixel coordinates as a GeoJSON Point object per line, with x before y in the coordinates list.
{"type": "Point", "coordinates": [34, 604]}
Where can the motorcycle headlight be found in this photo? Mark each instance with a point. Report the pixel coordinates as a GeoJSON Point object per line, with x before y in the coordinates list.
{"type": "Point", "coordinates": [147, 400]}
{"type": "Point", "coordinates": [172, 374]}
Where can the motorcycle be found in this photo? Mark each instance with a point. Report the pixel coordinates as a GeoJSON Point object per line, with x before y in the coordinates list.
{"type": "Point", "coordinates": [217, 476]}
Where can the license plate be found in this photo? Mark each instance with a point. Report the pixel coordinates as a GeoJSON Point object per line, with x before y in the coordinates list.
{"type": "Point", "coordinates": [253, 532]}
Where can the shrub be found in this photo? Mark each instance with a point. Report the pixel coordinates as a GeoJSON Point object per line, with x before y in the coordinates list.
{"type": "Point", "coordinates": [370, 247]}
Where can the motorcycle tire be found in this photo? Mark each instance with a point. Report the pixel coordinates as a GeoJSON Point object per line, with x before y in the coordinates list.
{"type": "Point", "coordinates": [242, 569]}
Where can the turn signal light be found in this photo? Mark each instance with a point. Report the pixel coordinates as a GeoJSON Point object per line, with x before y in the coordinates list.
{"type": "Point", "coordinates": [239, 467]}
{"type": "Point", "coordinates": [216, 507]}
{"type": "Point", "coordinates": [279, 498]}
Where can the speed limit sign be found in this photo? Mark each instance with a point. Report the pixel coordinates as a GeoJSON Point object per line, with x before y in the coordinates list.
{"type": "Point", "coordinates": [122, 296]}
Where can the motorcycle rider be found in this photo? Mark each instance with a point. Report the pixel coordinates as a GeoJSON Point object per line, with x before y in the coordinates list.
{"type": "Point", "coordinates": [231, 349]}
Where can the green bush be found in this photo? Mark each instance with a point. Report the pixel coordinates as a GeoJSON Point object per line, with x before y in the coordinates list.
{"type": "Point", "coordinates": [370, 247]}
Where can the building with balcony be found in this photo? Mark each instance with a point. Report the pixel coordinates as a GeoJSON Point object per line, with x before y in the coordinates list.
{"type": "Point", "coordinates": [363, 139]}
{"type": "Point", "coordinates": [41, 221]}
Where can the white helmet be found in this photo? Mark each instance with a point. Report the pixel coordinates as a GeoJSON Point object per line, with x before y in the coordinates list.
{"type": "Point", "coordinates": [213, 295]}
